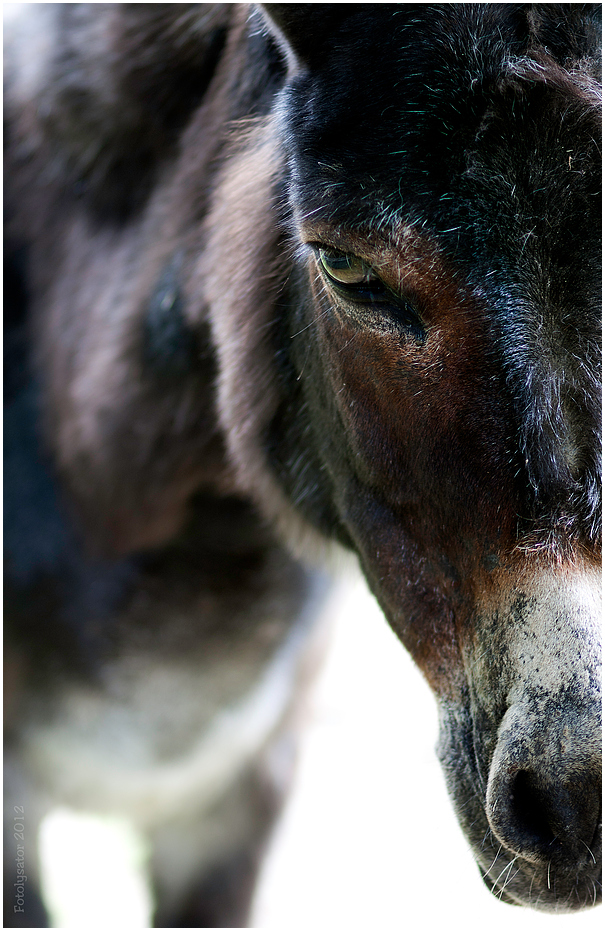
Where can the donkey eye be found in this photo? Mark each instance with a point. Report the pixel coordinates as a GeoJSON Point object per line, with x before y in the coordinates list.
{"type": "Point", "coordinates": [345, 269]}
{"type": "Point", "coordinates": [356, 281]}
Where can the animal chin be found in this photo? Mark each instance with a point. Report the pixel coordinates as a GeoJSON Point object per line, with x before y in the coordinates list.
{"type": "Point", "coordinates": [548, 889]}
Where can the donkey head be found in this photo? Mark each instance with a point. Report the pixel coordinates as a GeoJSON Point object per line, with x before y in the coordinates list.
{"type": "Point", "coordinates": [430, 396]}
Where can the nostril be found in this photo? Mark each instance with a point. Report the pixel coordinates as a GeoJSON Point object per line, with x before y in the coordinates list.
{"type": "Point", "coordinates": [534, 814]}
{"type": "Point", "coordinates": [543, 798]}
{"type": "Point", "coordinates": [523, 815]}
{"type": "Point", "coordinates": [531, 813]}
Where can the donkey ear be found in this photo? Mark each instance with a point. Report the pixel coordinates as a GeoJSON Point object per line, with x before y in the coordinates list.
{"type": "Point", "coordinates": [304, 31]}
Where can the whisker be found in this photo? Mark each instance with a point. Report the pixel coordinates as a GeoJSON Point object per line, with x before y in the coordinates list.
{"type": "Point", "coordinates": [507, 867]}
{"type": "Point", "coordinates": [509, 878]}
{"type": "Point", "coordinates": [589, 851]}
{"type": "Point", "coordinates": [493, 861]}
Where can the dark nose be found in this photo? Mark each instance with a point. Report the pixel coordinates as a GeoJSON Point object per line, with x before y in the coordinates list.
{"type": "Point", "coordinates": [544, 789]}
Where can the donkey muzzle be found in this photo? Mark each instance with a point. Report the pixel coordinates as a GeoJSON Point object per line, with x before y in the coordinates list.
{"type": "Point", "coordinates": [543, 765]}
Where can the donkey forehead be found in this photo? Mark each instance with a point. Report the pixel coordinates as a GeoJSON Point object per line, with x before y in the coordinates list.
{"type": "Point", "coordinates": [534, 170]}
{"type": "Point", "coordinates": [444, 120]}
{"type": "Point", "coordinates": [510, 195]}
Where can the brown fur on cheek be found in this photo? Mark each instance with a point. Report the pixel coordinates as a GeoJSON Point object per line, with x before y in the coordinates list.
{"type": "Point", "coordinates": [419, 602]}
{"type": "Point", "coordinates": [423, 424]}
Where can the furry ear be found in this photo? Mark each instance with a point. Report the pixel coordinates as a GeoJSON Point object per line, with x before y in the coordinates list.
{"type": "Point", "coordinates": [304, 31]}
